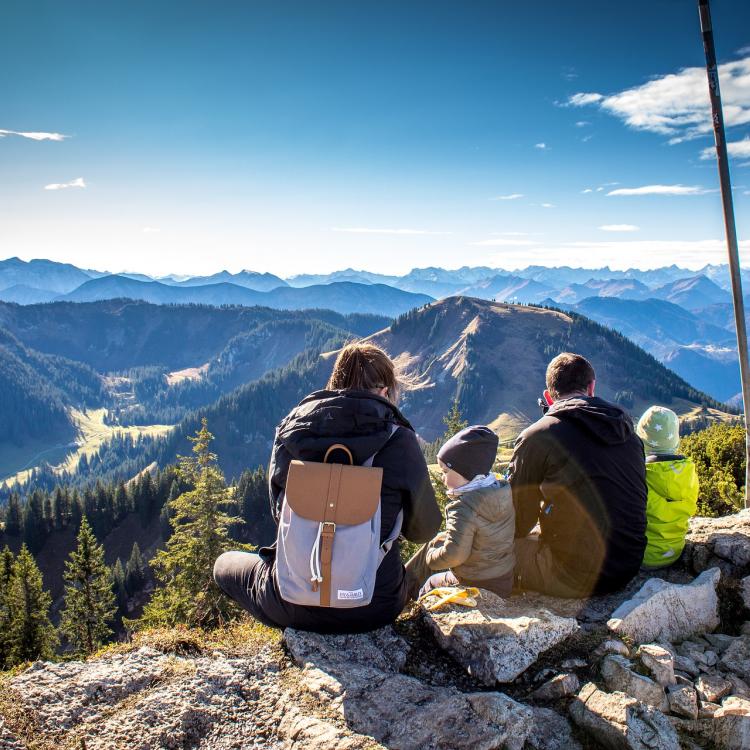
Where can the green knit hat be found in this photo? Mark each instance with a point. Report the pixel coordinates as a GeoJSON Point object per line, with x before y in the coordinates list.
{"type": "Point", "coordinates": [659, 428]}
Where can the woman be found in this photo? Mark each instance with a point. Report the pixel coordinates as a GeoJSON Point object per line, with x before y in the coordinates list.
{"type": "Point", "coordinates": [358, 409]}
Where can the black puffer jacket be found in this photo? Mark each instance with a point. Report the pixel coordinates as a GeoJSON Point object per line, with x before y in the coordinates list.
{"type": "Point", "coordinates": [580, 471]}
{"type": "Point", "coordinates": [362, 421]}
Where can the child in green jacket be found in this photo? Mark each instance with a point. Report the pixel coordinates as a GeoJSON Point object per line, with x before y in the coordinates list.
{"type": "Point", "coordinates": [672, 487]}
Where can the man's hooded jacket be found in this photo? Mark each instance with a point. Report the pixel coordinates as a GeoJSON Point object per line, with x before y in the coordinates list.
{"type": "Point", "coordinates": [580, 472]}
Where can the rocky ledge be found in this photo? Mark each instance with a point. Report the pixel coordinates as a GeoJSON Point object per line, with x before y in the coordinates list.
{"type": "Point", "coordinates": [662, 665]}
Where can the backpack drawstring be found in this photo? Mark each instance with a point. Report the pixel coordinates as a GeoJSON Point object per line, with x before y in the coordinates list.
{"type": "Point", "coordinates": [315, 560]}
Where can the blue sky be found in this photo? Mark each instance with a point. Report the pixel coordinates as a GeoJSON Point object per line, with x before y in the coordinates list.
{"type": "Point", "coordinates": [299, 137]}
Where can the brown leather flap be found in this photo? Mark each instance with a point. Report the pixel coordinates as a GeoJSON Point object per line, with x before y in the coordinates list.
{"type": "Point", "coordinates": [333, 492]}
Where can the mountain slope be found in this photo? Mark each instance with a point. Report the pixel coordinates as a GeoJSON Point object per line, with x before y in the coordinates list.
{"type": "Point", "coordinates": [37, 389]}
{"type": "Point", "coordinates": [692, 293]}
{"type": "Point", "coordinates": [41, 274]}
{"type": "Point", "coordinates": [344, 297]}
{"type": "Point", "coordinates": [490, 356]}
{"type": "Point", "coordinates": [117, 335]}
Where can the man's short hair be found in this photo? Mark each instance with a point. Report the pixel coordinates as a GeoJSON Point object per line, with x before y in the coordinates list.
{"type": "Point", "coordinates": [568, 373]}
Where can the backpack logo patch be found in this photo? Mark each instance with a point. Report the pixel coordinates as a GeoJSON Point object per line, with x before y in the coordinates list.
{"type": "Point", "coordinates": [357, 594]}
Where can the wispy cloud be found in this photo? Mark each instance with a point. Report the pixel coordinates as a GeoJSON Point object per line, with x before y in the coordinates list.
{"type": "Point", "coordinates": [677, 105]}
{"type": "Point", "coordinates": [34, 136]}
{"type": "Point", "coordinates": [150, 230]}
{"type": "Point", "coordinates": [582, 123]}
{"type": "Point", "coordinates": [504, 242]}
{"type": "Point", "coordinates": [586, 190]}
{"type": "Point", "coordinates": [548, 205]}
{"type": "Point", "coordinates": [77, 183]}
{"type": "Point", "coordinates": [737, 149]}
{"type": "Point", "coordinates": [661, 190]}
{"type": "Point", "coordinates": [541, 146]}
{"type": "Point", "coordinates": [619, 228]}
{"type": "Point", "coordinates": [510, 197]}
{"type": "Point", "coordinates": [369, 230]}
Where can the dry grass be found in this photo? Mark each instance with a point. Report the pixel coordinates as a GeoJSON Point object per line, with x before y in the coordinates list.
{"type": "Point", "coordinates": [240, 638]}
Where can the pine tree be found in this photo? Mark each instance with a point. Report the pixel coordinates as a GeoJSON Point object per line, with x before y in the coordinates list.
{"type": "Point", "coordinates": [118, 587]}
{"type": "Point", "coordinates": [30, 632]}
{"type": "Point", "coordinates": [135, 570]}
{"type": "Point", "coordinates": [6, 574]}
{"type": "Point", "coordinates": [454, 421]}
{"type": "Point", "coordinates": [14, 518]}
{"type": "Point", "coordinates": [187, 593]}
{"type": "Point", "coordinates": [34, 526]}
{"type": "Point", "coordinates": [89, 599]}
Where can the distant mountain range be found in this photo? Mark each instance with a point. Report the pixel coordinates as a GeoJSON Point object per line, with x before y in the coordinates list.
{"type": "Point", "coordinates": [702, 353]}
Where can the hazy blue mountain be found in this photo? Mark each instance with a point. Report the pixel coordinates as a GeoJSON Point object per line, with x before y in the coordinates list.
{"type": "Point", "coordinates": [695, 348]}
{"type": "Point", "coordinates": [23, 294]}
{"type": "Point", "coordinates": [348, 274]}
{"type": "Point", "coordinates": [41, 274]}
{"type": "Point", "coordinates": [344, 297]}
{"type": "Point", "coordinates": [508, 289]}
{"type": "Point", "coordinates": [620, 288]}
{"type": "Point", "coordinates": [260, 282]}
{"type": "Point", "coordinates": [692, 293]}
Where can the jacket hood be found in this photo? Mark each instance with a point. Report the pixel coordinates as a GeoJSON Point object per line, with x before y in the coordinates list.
{"type": "Point", "coordinates": [360, 420]}
{"type": "Point", "coordinates": [675, 480]}
{"type": "Point", "coordinates": [607, 422]}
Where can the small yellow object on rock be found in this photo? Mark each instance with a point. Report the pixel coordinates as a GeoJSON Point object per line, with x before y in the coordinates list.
{"type": "Point", "coordinates": [466, 596]}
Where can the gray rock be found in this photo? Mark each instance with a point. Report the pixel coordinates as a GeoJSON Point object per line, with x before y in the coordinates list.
{"type": "Point", "coordinates": [739, 687]}
{"type": "Point", "coordinates": [691, 650]}
{"type": "Point", "coordinates": [659, 662]}
{"type": "Point", "coordinates": [500, 638]}
{"type": "Point", "coordinates": [712, 688]}
{"type": "Point", "coordinates": [731, 724]}
{"type": "Point", "coordinates": [719, 641]}
{"type": "Point", "coordinates": [569, 664]}
{"type": "Point", "coordinates": [707, 710]}
{"type": "Point", "coordinates": [668, 611]}
{"type": "Point", "coordinates": [726, 539]}
{"type": "Point", "coordinates": [619, 676]}
{"type": "Point", "coordinates": [683, 701]}
{"type": "Point", "coordinates": [558, 687]}
{"type": "Point", "coordinates": [612, 646]}
{"type": "Point", "coordinates": [710, 659]}
{"type": "Point", "coordinates": [550, 731]}
{"type": "Point", "coordinates": [382, 649]}
{"type": "Point", "coordinates": [687, 665]}
{"type": "Point", "coordinates": [745, 591]}
{"type": "Point", "coordinates": [745, 628]}
{"type": "Point", "coordinates": [620, 722]}
{"type": "Point", "coordinates": [398, 710]}
{"type": "Point", "coordinates": [736, 658]}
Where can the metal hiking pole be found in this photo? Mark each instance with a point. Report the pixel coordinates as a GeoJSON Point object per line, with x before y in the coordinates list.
{"type": "Point", "coordinates": [729, 225]}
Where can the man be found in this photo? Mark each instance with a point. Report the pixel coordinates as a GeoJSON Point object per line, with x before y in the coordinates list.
{"type": "Point", "coordinates": [580, 472]}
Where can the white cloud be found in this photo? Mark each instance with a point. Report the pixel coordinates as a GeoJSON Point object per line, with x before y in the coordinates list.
{"type": "Point", "coordinates": [77, 183]}
{"type": "Point", "coordinates": [737, 149]}
{"type": "Point", "coordinates": [660, 190]}
{"type": "Point", "coordinates": [503, 242]}
{"type": "Point", "coordinates": [510, 197]}
{"type": "Point", "coordinates": [151, 230]}
{"type": "Point", "coordinates": [587, 190]}
{"type": "Point", "coordinates": [541, 146]}
{"type": "Point", "coordinates": [586, 138]}
{"type": "Point", "coordinates": [582, 123]}
{"type": "Point", "coordinates": [581, 100]}
{"type": "Point", "coordinates": [548, 205]}
{"type": "Point", "coordinates": [619, 228]}
{"type": "Point", "coordinates": [677, 104]}
{"type": "Point", "coordinates": [514, 234]}
{"type": "Point", "coordinates": [34, 136]}
{"type": "Point", "coordinates": [368, 230]}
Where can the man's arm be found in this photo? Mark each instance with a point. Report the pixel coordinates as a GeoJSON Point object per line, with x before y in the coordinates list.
{"type": "Point", "coordinates": [525, 474]}
{"type": "Point", "coordinates": [277, 471]}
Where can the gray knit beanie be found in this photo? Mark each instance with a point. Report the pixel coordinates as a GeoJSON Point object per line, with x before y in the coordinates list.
{"type": "Point", "coordinates": [471, 451]}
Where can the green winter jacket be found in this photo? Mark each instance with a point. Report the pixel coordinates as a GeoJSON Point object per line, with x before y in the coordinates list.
{"type": "Point", "coordinates": [672, 499]}
{"type": "Point", "coordinates": [478, 540]}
